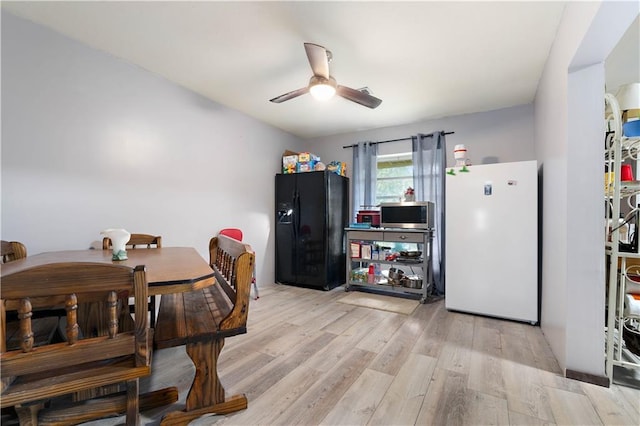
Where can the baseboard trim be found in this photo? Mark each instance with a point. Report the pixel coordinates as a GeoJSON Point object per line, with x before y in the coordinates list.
{"type": "Point", "coordinates": [588, 378]}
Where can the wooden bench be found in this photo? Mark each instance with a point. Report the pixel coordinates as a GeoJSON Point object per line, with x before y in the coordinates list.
{"type": "Point", "coordinates": [31, 375]}
{"type": "Point", "coordinates": [201, 320]}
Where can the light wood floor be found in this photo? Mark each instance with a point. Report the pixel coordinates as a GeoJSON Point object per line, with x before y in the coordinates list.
{"type": "Point", "coordinates": [308, 359]}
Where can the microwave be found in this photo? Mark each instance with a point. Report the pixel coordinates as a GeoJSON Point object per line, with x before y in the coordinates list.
{"type": "Point", "coordinates": [415, 215]}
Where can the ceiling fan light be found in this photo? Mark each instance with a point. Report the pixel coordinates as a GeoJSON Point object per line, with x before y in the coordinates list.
{"type": "Point", "coordinates": [321, 88]}
{"type": "Point", "coordinates": [322, 91]}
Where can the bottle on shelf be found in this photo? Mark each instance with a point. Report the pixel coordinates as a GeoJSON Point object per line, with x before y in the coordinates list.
{"type": "Point", "coordinates": [623, 230]}
{"type": "Point", "coordinates": [371, 276]}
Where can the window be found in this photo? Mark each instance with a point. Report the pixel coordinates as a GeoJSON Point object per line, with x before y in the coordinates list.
{"type": "Point", "coordinates": [394, 176]}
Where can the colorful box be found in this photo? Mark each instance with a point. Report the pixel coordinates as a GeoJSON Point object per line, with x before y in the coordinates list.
{"type": "Point", "coordinates": [307, 166]}
{"type": "Point", "coordinates": [289, 162]}
{"type": "Point", "coordinates": [338, 167]}
{"type": "Point", "coordinates": [306, 157]}
{"type": "Point", "coordinates": [355, 249]}
{"type": "Point", "coordinates": [298, 162]}
{"type": "Point", "coordinates": [307, 162]}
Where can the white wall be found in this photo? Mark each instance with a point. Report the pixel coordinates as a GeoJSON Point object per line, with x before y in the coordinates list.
{"type": "Point", "coordinates": [623, 63]}
{"type": "Point", "coordinates": [585, 230]}
{"type": "Point", "coordinates": [90, 142]}
{"type": "Point", "coordinates": [490, 137]}
{"type": "Point", "coordinates": [498, 136]}
{"type": "Point", "coordinates": [569, 140]}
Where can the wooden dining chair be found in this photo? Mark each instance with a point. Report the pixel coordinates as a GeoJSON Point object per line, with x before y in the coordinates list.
{"type": "Point", "coordinates": [236, 234]}
{"type": "Point", "coordinates": [44, 324]}
{"type": "Point", "coordinates": [141, 241]}
{"type": "Point", "coordinates": [45, 321]}
{"type": "Point", "coordinates": [13, 250]}
{"type": "Point", "coordinates": [137, 241]}
{"type": "Point", "coordinates": [99, 355]}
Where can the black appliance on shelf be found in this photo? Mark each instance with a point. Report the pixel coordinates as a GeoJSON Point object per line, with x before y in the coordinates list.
{"type": "Point", "coordinates": [312, 210]}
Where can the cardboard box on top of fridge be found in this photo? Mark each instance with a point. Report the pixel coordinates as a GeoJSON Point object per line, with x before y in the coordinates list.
{"type": "Point", "coordinates": [307, 162]}
{"type": "Point", "coordinates": [306, 157]}
{"type": "Point", "coordinates": [338, 167]}
{"type": "Point", "coordinates": [289, 162]}
{"type": "Point", "coordinates": [305, 167]}
{"type": "Point", "coordinates": [298, 162]}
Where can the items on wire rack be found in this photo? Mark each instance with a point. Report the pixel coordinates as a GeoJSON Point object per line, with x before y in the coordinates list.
{"type": "Point", "coordinates": [622, 220]}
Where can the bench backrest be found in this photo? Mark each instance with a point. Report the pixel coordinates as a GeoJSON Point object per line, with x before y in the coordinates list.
{"type": "Point", "coordinates": [232, 262]}
{"type": "Point", "coordinates": [67, 285]}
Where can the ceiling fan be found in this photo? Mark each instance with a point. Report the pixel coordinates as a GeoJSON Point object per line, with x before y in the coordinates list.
{"type": "Point", "coordinates": [322, 86]}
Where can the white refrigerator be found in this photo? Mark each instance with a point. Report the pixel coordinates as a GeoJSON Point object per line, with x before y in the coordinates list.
{"type": "Point", "coordinates": [491, 240]}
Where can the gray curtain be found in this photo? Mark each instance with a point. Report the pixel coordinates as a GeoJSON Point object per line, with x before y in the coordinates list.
{"type": "Point", "coordinates": [364, 176]}
{"type": "Point", "coordinates": [429, 164]}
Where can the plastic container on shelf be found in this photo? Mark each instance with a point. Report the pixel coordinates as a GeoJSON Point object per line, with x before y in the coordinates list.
{"type": "Point", "coordinates": [631, 129]}
{"type": "Point", "coordinates": [622, 228]}
{"type": "Point", "coordinates": [371, 276]}
{"type": "Point", "coordinates": [632, 279]}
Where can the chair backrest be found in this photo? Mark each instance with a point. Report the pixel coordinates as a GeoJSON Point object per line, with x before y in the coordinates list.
{"type": "Point", "coordinates": [234, 233]}
{"type": "Point", "coordinates": [67, 285]}
{"type": "Point", "coordinates": [13, 250]}
{"type": "Point", "coordinates": [137, 240]}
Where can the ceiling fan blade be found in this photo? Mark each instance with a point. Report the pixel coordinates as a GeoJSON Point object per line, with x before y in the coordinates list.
{"type": "Point", "coordinates": [318, 59]}
{"type": "Point", "coordinates": [289, 95]}
{"type": "Point", "coordinates": [359, 97]}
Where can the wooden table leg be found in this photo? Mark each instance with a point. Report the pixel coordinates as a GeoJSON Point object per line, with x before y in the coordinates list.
{"type": "Point", "coordinates": [206, 389]}
{"type": "Point", "coordinates": [206, 395]}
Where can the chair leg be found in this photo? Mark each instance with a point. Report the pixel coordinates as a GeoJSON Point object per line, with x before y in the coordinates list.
{"type": "Point", "coordinates": [133, 405]}
{"type": "Point", "coordinates": [151, 307]}
{"type": "Point", "coordinates": [255, 288]}
{"type": "Point", "coordinates": [253, 281]}
{"type": "Point", "coordinates": [152, 311]}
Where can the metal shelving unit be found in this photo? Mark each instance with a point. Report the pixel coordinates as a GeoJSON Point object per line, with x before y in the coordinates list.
{"type": "Point", "coordinates": [618, 150]}
{"type": "Point", "coordinates": [423, 238]}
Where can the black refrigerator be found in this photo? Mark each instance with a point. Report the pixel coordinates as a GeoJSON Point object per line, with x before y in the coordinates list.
{"type": "Point", "coordinates": [312, 210]}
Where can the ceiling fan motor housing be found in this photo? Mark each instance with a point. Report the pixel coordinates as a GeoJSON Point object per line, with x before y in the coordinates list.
{"type": "Point", "coordinates": [317, 79]}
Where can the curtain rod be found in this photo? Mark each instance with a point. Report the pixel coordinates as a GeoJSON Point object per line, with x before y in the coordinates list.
{"type": "Point", "coordinates": [396, 140]}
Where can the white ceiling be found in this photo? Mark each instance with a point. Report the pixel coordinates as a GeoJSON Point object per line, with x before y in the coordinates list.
{"type": "Point", "coordinates": [423, 59]}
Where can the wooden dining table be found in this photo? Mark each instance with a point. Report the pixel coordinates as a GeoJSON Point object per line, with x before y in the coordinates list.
{"type": "Point", "coordinates": [169, 270]}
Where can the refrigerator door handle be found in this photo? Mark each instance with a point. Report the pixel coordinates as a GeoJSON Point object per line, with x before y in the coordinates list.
{"type": "Point", "coordinates": [296, 216]}
{"type": "Point", "coordinates": [296, 226]}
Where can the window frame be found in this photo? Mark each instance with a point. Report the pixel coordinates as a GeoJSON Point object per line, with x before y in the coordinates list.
{"type": "Point", "coordinates": [402, 160]}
